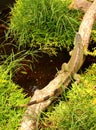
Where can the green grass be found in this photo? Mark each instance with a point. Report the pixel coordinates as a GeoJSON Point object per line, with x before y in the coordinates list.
{"type": "Point", "coordinates": [46, 25]}
{"type": "Point", "coordinates": [43, 24]}
{"type": "Point", "coordinates": [10, 95]}
{"type": "Point", "coordinates": [78, 111]}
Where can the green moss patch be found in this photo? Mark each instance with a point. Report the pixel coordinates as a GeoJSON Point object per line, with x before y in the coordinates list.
{"type": "Point", "coordinates": [78, 111]}
{"type": "Point", "coordinates": [10, 95]}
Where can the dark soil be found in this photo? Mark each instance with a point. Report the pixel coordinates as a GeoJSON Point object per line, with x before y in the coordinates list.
{"type": "Point", "coordinates": [42, 73]}
{"type": "Point", "coordinates": [4, 4]}
{"type": "Point", "coordinates": [44, 70]}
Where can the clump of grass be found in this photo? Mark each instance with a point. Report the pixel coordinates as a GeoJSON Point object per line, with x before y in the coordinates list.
{"type": "Point", "coordinates": [78, 112]}
{"type": "Point", "coordinates": [43, 24]}
{"type": "Point", "coordinates": [10, 95]}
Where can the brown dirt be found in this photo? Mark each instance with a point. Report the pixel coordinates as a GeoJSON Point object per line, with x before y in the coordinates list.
{"type": "Point", "coordinates": [43, 71]}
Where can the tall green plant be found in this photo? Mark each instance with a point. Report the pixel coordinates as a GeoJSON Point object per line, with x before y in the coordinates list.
{"type": "Point", "coordinates": [43, 24]}
{"type": "Point", "coordinates": [10, 95]}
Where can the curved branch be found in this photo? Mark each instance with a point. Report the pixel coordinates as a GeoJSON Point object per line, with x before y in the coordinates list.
{"type": "Point", "coordinates": [31, 115]}
{"type": "Point", "coordinates": [83, 5]}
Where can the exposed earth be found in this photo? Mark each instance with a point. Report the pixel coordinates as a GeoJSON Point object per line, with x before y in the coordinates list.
{"type": "Point", "coordinates": [44, 70]}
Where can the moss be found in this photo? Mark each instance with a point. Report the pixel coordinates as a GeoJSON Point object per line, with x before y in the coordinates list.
{"type": "Point", "coordinates": [78, 112]}
{"type": "Point", "coordinates": [10, 95]}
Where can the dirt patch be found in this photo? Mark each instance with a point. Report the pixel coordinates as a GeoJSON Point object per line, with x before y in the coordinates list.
{"type": "Point", "coordinates": [43, 71]}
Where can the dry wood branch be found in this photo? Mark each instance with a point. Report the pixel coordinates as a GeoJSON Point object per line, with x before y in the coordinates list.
{"type": "Point", "coordinates": [87, 24]}
{"type": "Point", "coordinates": [31, 115]}
{"type": "Point", "coordinates": [88, 19]}
{"type": "Point", "coordinates": [83, 5]}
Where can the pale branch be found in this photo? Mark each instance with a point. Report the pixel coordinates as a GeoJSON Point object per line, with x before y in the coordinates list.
{"type": "Point", "coordinates": [88, 19]}
{"type": "Point", "coordinates": [30, 118]}
{"type": "Point", "coordinates": [87, 24]}
{"type": "Point", "coordinates": [82, 5]}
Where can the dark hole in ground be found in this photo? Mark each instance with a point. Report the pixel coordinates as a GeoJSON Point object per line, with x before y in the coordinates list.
{"type": "Point", "coordinates": [44, 70]}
